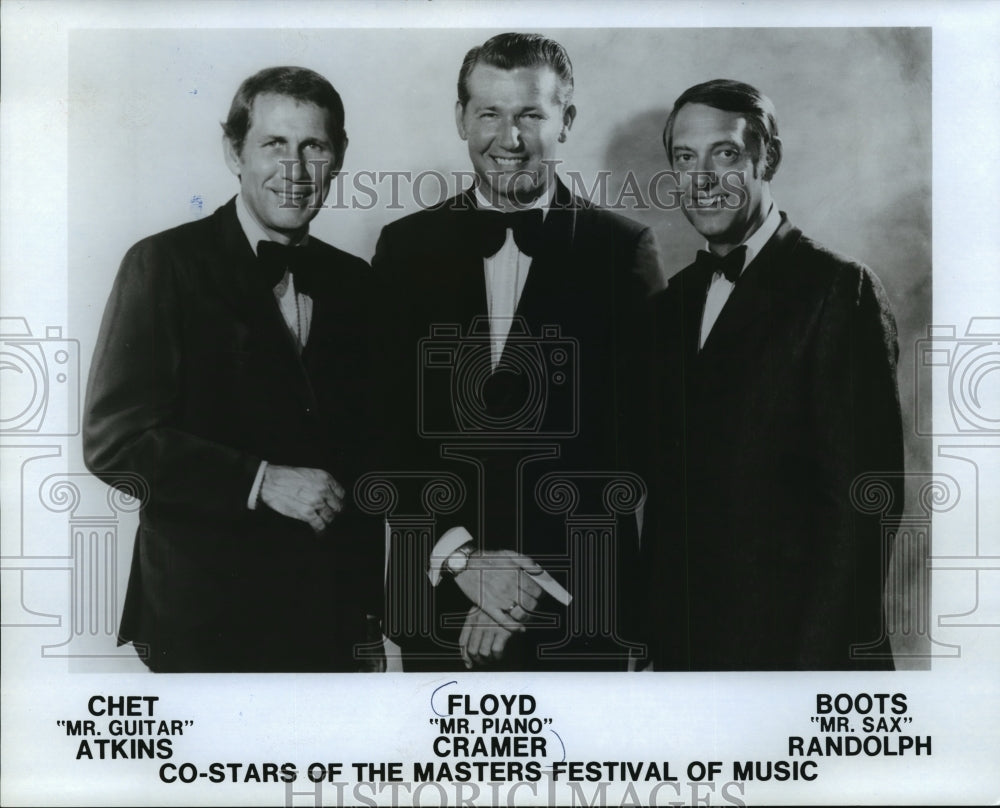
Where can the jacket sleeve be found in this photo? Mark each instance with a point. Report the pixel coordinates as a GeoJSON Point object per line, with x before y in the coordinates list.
{"type": "Point", "coordinates": [860, 443]}
{"type": "Point", "coordinates": [132, 421]}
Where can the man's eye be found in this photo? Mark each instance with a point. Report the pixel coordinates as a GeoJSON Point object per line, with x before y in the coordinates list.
{"type": "Point", "coordinates": [727, 155]}
{"type": "Point", "coordinates": [487, 115]}
{"type": "Point", "coordinates": [683, 158]}
{"type": "Point", "coordinates": [532, 116]}
{"type": "Point", "coordinates": [316, 147]}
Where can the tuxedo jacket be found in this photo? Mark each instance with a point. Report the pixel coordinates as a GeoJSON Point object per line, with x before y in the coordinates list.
{"type": "Point", "coordinates": [556, 402]}
{"type": "Point", "coordinates": [195, 380]}
{"type": "Point", "coordinates": [759, 558]}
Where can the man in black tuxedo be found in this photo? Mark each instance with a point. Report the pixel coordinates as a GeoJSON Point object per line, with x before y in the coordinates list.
{"type": "Point", "coordinates": [774, 394]}
{"type": "Point", "coordinates": [231, 376]}
{"type": "Point", "coordinates": [515, 332]}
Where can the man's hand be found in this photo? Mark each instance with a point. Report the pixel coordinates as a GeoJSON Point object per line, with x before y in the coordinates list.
{"type": "Point", "coordinates": [482, 639]}
{"type": "Point", "coordinates": [309, 495]}
{"type": "Point", "coordinates": [499, 582]}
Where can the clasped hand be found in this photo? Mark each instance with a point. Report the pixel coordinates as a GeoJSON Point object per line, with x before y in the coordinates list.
{"type": "Point", "coordinates": [309, 495]}
{"type": "Point", "coordinates": [500, 585]}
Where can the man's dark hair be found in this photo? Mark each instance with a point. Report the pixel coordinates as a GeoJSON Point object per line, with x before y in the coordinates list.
{"type": "Point", "coordinates": [300, 83]}
{"type": "Point", "coordinates": [731, 96]}
{"type": "Point", "coordinates": [508, 51]}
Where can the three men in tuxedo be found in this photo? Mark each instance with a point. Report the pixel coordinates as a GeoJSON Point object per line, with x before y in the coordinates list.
{"type": "Point", "coordinates": [774, 402]}
{"type": "Point", "coordinates": [231, 385]}
{"type": "Point", "coordinates": [234, 377]}
{"type": "Point", "coordinates": [516, 327]}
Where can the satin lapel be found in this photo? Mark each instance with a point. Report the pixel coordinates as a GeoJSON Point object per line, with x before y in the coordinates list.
{"type": "Point", "coordinates": [253, 304]}
{"type": "Point", "coordinates": [759, 292]}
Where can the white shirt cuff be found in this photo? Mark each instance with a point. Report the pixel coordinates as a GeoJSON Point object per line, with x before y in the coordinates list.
{"type": "Point", "coordinates": [448, 543]}
{"type": "Point", "coordinates": [254, 497]}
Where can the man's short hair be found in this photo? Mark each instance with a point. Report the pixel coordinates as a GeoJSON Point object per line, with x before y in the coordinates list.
{"type": "Point", "coordinates": [300, 83]}
{"type": "Point", "coordinates": [509, 51]}
{"type": "Point", "coordinates": [730, 96]}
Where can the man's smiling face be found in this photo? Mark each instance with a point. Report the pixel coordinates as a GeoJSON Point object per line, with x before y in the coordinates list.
{"type": "Point", "coordinates": [513, 123]}
{"type": "Point", "coordinates": [726, 196]}
{"type": "Point", "coordinates": [285, 164]}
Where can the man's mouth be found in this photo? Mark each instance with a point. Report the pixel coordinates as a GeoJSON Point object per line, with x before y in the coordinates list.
{"type": "Point", "coordinates": [508, 162]}
{"type": "Point", "coordinates": [706, 201]}
{"type": "Point", "coordinates": [294, 198]}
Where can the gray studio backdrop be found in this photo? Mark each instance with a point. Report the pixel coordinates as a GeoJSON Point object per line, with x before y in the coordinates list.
{"type": "Point", "coordinates": [854, 109]}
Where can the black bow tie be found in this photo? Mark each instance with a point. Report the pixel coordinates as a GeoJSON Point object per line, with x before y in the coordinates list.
{"type": "Point", "coordinates": [729, 267]}
{"type": "Point", "coordinates": [275, 259]}
{"type": "Point", "coordinates": [492, 228]}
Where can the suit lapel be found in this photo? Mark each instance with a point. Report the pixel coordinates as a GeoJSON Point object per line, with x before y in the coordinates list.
{"type": "Point", "coordinates": [548, 265]}
{"type": "Point", "coordinates": [547, 274]}
{"type": "Point", "coordinates": [694, 290]}
{"type": "Point", "coordinates": [467, 281]}
{"type": "Point", "coordinates": [759, 292]}
{"type": "Point", "coordinates": [254, 306]}
{"type": "Point", "coordinates": [329, 313]}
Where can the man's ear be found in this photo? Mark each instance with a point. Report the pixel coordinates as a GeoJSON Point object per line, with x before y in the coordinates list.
{"type": "Point", "coordinates": [459, 122]}
{"type": "Point", "coordinates": [772, 158]}
{"type": "Point", "coordinates": [231, 155]}
{"type": "Point", "coordinates": [569, 115]}
{"type": "Point", "coordinates": [339, 152]}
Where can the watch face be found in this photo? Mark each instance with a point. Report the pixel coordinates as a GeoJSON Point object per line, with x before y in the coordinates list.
{"type": "Point", "coordinates": [457, 562]}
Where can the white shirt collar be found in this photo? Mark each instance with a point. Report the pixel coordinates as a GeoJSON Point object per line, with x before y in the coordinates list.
{"type": "Point", "coordinates": [760, 236]}
{"type": "Point", "coordinates": [251, 228]}
{"type": "Point", "coordinates": [544, 202]}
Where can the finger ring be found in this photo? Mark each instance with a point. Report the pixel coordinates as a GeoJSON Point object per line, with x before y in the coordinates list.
{"type": "Point", "coordinates": [509, 609]}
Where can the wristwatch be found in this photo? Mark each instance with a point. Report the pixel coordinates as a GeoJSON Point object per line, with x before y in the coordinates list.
{"type": "Point", "coordinates": [458, 561]}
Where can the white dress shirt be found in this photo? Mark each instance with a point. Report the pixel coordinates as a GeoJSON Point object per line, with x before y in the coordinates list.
{"type": "Point", "coordinates": [505, 274]}
{"type": "Point", "coordinates": [296, 308]}
{"type": "Point", "coordinates": [719, 289]}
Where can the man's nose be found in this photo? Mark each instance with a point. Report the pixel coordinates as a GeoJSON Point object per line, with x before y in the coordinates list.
{"type": "Point", "coordinates": [704, 177]}
{"type": "Point", "coordinates": [299, 170]}
{"type": "Point", "coordinates": [510, 136]}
